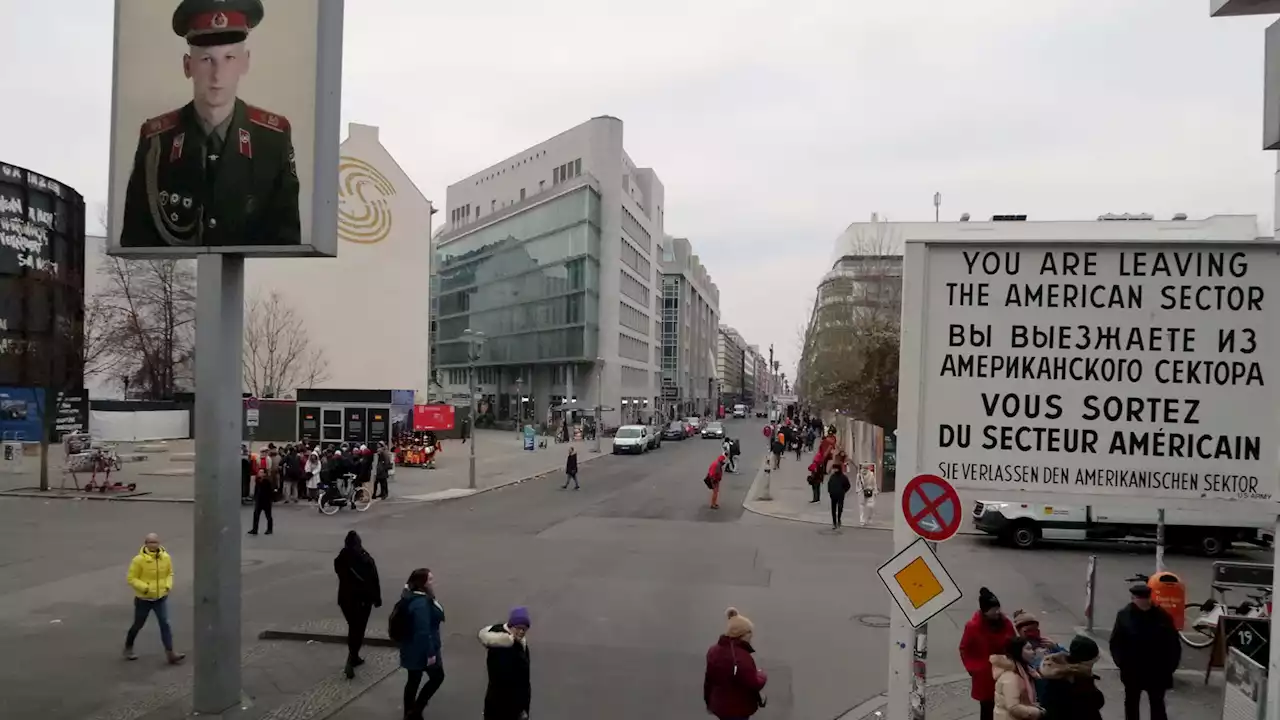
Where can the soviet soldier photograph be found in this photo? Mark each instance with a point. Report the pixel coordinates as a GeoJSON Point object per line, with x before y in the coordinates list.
{"type": "Point", "coordinates": [217, 171]}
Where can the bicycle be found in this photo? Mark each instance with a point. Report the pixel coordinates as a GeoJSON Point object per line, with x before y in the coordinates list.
{"type": "Point", "coordinates": [1201, 626]}
{"type": "Point", "coordinates": [349, 495]}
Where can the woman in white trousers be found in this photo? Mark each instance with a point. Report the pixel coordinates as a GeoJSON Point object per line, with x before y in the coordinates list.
{"type": "Point", "coordinates": [866, 489]}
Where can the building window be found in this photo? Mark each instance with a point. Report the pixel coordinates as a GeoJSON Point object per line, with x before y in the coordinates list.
{"type": "Point", "coordinates": [522, 193]}
{"type": "Point", "coordinates": [634, 377]}
{"type": "Point", "coordinates": [633, 288]}
{"type": "Point", "coordinates": [577, 167]}
{"type": "Point", "coordinates": [555, 176]}
{"type": "Point", "coordinates": [633, 319]}
{"type": "Point", "coordinates": [668, 255]}
{"type": "Point", "coordinates": [632, 349]}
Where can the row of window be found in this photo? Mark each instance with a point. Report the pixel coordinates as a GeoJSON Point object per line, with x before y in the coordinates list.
{"type": "Point", "coordinates": [632, 349]}
{"type": "Point", "coordinates": [567, 310]}
{"type": "Point", "coordinates": [634, 377]}
{"type": "Point", "coordinates": [571, 169]}
{"type": "Point", "coordinates": [518, 259]}
{"type": "Point", "coordinates": [634, 260]}
{"type": "Point", "coordinates": [514, 165]}
{"type": "Point", "coordinates": [576, 207]}
{"type": "Point", "coordinates": [632, 318]}
{"type": "Point", "coordinates": [544, 283]}
{"type": "Point", "coordinates": [566, 344]}
{"type": "Point", "coordinates": [460, 215]}
{"type": "Point", "coordinates": [484, 376]}
{"type": "Point", "coordinates": [631, 226]}
{"type": "Point", "coordinates": [633, 288]}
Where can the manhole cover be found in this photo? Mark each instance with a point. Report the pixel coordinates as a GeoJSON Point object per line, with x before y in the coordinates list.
{"type": "Point", "coordinates": [875, 621]}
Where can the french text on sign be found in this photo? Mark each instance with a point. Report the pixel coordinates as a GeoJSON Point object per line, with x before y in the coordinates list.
{"type": "Point", "coordinates": [1140, 372]}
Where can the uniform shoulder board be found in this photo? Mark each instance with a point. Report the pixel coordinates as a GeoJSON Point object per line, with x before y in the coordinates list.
{"type": "Point", "coordinates": [268, 119]}
{"type": "Point", "coordinates": [161, 123]}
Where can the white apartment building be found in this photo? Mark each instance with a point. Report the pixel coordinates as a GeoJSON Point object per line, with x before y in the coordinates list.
{"type": "Point", "coordinates": [551, 253]}
{"type": "Point", "coordinates": [690, 332]}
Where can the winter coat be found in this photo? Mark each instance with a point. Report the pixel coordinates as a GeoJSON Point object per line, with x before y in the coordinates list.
{"type": "Point", "coordinates": [571, 465]}
{"type": "Point", "coordinates": [313, 467]}
{"type": "Point", "coordinates": [264, 491]}
{"type": "Point", "coordinates": [732, 684]}
{"type": "Point", "coordinates": [385, 463]}
{"type": "Point", "coordinates": [1044, 648]}
{"type": "Point", "coordinates": [1146, 648]}
{"type": "Point", "coordinates": [716, 471]}
{"type": "Point", "coordinates": [1071, 692]}
{"type": "Point", "coordinates": [1013, 701]}
{"type": "Point", "coordinates": [423, 642]}
{"type": "Point", "coordinates": [151, 574]}
{"type": "Point", "coordinates": [509, 692]}
{"type": "Point", "coordinates": [357, 578]}
{"type": "Point", "coordinates": [838, 485]}
{"type": "Point", "coordinates": [978, 643]}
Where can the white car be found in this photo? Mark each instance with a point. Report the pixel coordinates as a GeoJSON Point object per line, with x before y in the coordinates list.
{"type": "Point", "coordinates": [631, 439]}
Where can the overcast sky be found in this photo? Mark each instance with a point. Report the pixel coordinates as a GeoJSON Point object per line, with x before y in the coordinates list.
{"type": "Point", "coordinates": [773, 124]}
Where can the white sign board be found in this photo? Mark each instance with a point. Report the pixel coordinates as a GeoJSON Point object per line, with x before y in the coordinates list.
{"type": "Point", "coordinates": [1138, 371]}
{"type": "Point", "coordinates": [251, 417]}
{"type": "Point", "coordinates": [918, 583]}
{"type": "Point", "coordinates": [1244, 694]}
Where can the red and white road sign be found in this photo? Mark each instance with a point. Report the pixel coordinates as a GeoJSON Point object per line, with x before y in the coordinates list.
{"type": "Point", "coordinates": [251, 403]}
{"type": "Point", "coordinates": [932, 508]}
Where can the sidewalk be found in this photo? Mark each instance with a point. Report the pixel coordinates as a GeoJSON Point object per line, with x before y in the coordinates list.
{"type": "Point", "coordinates": [947, 698]}
{"type": "Point", "coordinates": [789, 488]}
{"type": "Point", "coordinates": [501, 460]}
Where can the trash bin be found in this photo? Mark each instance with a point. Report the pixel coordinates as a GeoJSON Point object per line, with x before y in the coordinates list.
{"type": "Point", "coordinates": [1169, 592]}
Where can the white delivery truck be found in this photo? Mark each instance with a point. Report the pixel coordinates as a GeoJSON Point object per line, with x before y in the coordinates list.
{"type": "Point", "coordinates": [1026, 524]}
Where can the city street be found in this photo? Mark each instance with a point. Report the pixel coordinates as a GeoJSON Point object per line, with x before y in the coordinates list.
{"type": "Point", "coordinates": [627, 581]}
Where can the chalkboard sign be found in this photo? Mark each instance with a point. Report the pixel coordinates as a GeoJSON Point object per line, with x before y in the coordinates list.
{"type": "Point", "coordinates": [1251, 636]}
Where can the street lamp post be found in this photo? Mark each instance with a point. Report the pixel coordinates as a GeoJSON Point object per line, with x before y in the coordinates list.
{"type": "Point", "coordinates": [475, 344]}
{"type": "Point", "coordinates": [599, 402]}
{"type": "Point", "coordinates": [519, 407]}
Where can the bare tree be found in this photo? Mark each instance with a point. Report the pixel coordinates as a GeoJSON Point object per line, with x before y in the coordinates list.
{"type": "Point", "coordinates": [278, 355]}
{"type": "Point", "coordinates": [850, 356]}
{"type": "Point", "coordinates": [99, 352]}
{"type": "Point", "coordinates": [150, 325]}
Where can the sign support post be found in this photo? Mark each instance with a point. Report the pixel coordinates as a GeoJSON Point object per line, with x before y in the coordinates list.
{"type": "Point", "coordinates": [919, 664]}
{"type": "Point", "coordinates": [219, 339]}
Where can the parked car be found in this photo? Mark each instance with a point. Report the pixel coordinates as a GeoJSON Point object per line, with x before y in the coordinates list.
{"type": "Point", "coordinates": [761, 413]}
{"type": "Point", "coordinates": [695, 424]}
{"type": "Point", "coordinates": [713, 430]}
{"type": "Point", "coordinates": [676, 430]}
{"type": "Point", "coordinates": [631, 439]}
{"type": "Point", "coordinates": [739, 410]}
{"type": "Point", "coordinates": [655, 436]}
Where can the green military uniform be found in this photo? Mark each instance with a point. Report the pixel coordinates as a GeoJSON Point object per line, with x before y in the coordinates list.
{"type": "Point", "coordinates": [196, 184]}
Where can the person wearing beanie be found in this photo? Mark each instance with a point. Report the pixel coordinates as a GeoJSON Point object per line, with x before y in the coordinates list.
{"type": "Point", "coordinates": [732, 683]}
{"type": "Point", "coordinates": [1028, 626]}
{"type": "Point", "coordinates": [1071, 689]}
{"type": "Point", "coordinates": [987, 633]}
{"type": "Point", "coordinates": [509, 693]}
{"type": "Point", "coordinates": [1146, 648]}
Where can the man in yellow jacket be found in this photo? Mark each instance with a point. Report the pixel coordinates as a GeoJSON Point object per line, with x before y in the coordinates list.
{"type": "Point", "coordinates": [151, 577]}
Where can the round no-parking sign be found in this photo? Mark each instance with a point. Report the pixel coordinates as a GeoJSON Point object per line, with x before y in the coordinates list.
{"type": "Point", "coordinates": [932, 508]}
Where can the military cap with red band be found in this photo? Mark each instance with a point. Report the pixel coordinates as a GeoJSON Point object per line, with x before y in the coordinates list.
{"type": "Point", "coordinates": [205, 23]}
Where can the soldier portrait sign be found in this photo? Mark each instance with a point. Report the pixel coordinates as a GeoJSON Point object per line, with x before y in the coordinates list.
{"type": "Point", "coordinates": [217, 108]}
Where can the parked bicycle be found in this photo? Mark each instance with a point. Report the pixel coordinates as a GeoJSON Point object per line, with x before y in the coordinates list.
{"type": "Point", "coordinates": [1201, 627]}
{"type": "Point", "coordinates": [346, 494]}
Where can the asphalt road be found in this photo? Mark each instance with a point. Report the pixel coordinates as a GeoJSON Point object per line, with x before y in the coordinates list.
{"type": "Point", "coordinates": [627, 581]}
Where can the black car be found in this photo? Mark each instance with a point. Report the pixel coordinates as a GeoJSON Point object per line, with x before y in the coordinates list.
{"type": "Point", "coordinates": [674, 431]}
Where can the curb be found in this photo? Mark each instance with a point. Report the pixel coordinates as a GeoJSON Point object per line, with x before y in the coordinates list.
{"type": "Point", "coordinates": [322, 637]}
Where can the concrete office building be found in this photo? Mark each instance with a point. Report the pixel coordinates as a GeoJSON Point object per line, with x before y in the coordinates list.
{"type": "Point", "coordinates": [690, 332]}
{"type": "Point", "coordinates": [551, 254]}
{"type": "Point", "coordinates": [735, 367]}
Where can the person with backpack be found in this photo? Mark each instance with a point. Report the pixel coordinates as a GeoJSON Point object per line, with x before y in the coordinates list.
{"type": "Point", "coordinates": [359, 592]}
{"type": "Point", "coordinates": [509, 692]}
{"type": "Point", "coordinates": [414, 625]}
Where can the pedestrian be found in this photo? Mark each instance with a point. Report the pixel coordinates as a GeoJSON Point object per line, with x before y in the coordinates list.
{"type": "Point", "coordinates": [987, 633]}
{"type": "Point", "coordinates": [1071, 691]}
{"type": "Point", "coordinates": [420, 651]}
{"type": "Point", "coordinates": [509, 692]}
{"type": "Point", "coordinates": [312, 473]}
{"type": "Point", "coordinates": [1146, 648]}
{"type": "Point", "coordinates": [151, 577]}
{"type": "Point", "coordinates": [797, 442]}
{"type": "Point", "coordinates": [246, 474]}
{"type": "Point", "coordinates": [779, 445]}
{"type": "Point", "coordinates": [1015, 687]}
{"type": "Point", "coordinates": [359, 592]}
{"type": "Point", "coordinates": [571, 469]}
{"type": "Point", "coordinates": [838, 486]}
{"type": "Point", "coordinates": [732, 683]}
{"type": "Point", "coordinates": [715, 474]}
{"type": "Point", "coordinates": [298, 473]}
{"type": "Point", "coordinates": [383, 463]}
{"type": "Point", "coordinates": [1028, 626]}
{"type": "Point", "coordinates": [867, 489]}
{"type": "Point", "coordinates": [466, 425]}
{"type": "Point", "coordinates": [264, 494]}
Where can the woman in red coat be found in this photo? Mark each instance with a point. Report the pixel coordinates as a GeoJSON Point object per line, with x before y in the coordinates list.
{"type": "Point", "coordinates": [732, 685]}
{"type": "Point", "coordinates": [987, 633]}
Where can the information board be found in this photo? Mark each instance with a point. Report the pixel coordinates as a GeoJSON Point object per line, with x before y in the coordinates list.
{"type": "Point", "coordinates": [1138, 370]}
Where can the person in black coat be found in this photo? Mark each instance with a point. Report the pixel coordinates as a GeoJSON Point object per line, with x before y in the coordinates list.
{"type": "Point", "coordinates": [1071, 691]}
{"type": "Point", "coordinates": [509, 693]}
{"type": "Point", "coordinates": [1146, 648]}
{"type": "Point", "coordinates": [264, 493]}
{"type": "Point", "coordinates": [838, 487]}
{"type": "Point", "coordinates": [571, 469]}
{"type": "Point", "coordinates": [359, 592]}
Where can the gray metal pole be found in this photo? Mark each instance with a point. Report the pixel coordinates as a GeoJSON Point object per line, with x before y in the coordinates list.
{"type": "Point", "coordinates": [471, 421]}
{"type": "Point", "coordinates": [920, 661]}
{"type": "Point", "coordinates": [1090, 590]}
{"type": "Point", "coordinates": [1160, 540]}
{"type": "Point", "coordinates": [599, 403]}
{"type": "Point", "coordinates": [219, 418]}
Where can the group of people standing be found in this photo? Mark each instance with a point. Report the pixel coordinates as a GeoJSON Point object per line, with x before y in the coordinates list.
{"type": "Point", "coordinates": [301, 471]}
{"type": "Point", "coordinates": [1019, 674]}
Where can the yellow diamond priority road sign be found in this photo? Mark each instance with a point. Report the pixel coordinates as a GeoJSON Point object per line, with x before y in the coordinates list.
{"type": "Point", "coordinates": [919, 583]}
